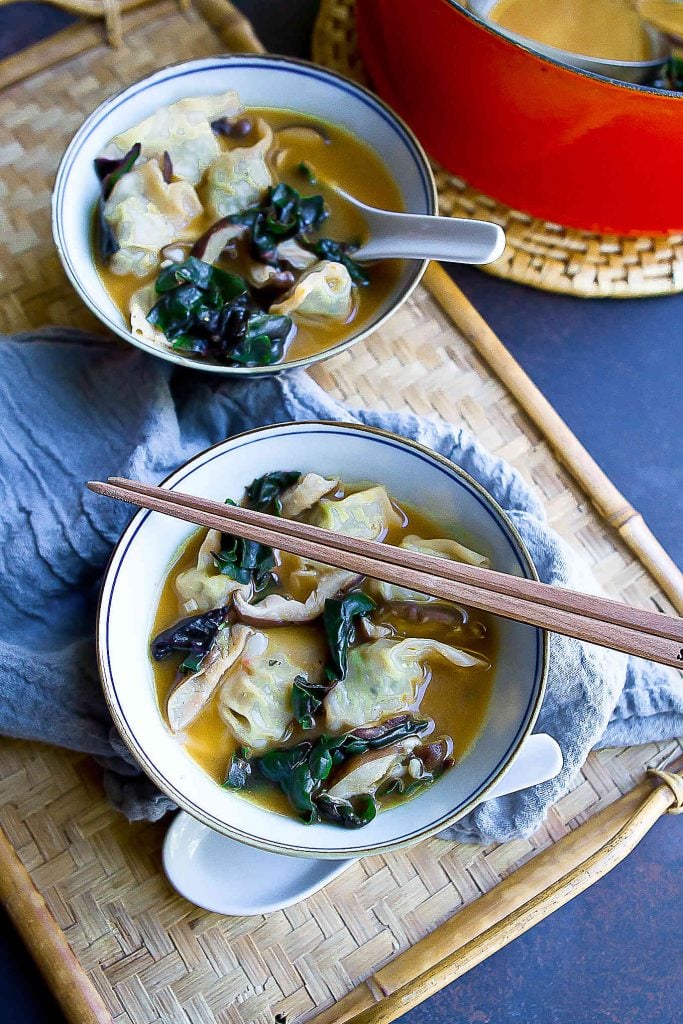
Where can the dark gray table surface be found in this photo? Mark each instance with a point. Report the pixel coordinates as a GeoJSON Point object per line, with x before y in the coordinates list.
{"type": "Point", "coordinates": [613, 371]}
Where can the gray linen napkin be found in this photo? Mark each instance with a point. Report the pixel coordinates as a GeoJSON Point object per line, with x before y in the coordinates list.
{"type": "Point", "coordinates": [74, 408]}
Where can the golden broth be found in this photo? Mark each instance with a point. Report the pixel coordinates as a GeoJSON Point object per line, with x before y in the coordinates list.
{"type": "Point", "coordinates": [345, 161]}
{"type": "Point", "coordinates": [608, 29]}
{"type": "Point", "coordinates": [456, 701]}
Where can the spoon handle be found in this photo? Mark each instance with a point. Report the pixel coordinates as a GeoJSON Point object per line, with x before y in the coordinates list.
{"type": "Point", "coordinates": [413, 236]}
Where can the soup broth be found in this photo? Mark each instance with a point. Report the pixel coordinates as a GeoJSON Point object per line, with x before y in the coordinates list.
{"type": "Point", "coordinates": [607, 29]}
{"type": "Point", "coordinates": [453, 700]}
{"type": "Point", "coordinates": [315, 158]}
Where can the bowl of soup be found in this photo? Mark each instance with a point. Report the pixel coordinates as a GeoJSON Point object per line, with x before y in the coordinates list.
{"type": "Point", "coordinates": [199, 213]}
{"type": "Point", "coordinates": [300, 708]}
{"type": "Point", "coordinates": [571, 145]}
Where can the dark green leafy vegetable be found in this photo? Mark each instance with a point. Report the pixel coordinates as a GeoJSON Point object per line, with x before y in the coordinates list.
{"type": "Point", "coordinates": [108, 173]}
{"type": "Point", "coordinates": [263, 494]}
{"type": "Point", "coordinates": [246, 560]}
{"type": "Point", "coordinates": [307, 698]}
{"type": "Point", "coordinates": [283, 214]}
{"type": "Point", "coordinates": [206, 311]}
{"type": "Point", "coordinates": [354, 813]}
{"type": "Point", "coordinates": [301, 770]}
{"type": "Point", "coordinates": [339, 621]}
{"type": "Point", "coordinates": [194, 634]}
{"type": "Point", "coordinates": [307, 172]}
{"type": "Point", "coordinates": [340, 252]}
{"type": "Point", "coordinates": [339, 618]}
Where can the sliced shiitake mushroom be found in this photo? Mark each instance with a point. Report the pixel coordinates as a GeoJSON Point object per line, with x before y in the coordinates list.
{"type": "Point", "coordinates": [211, 244]}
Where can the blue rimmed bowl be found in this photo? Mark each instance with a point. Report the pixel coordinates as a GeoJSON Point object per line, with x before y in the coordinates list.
{"type": "Point", "coordinates": [261, 81]}
{"type": "Point", "coordinates": [413, 475]}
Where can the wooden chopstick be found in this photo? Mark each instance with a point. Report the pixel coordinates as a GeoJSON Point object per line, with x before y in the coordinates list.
{"type": "Point", "coordinates": [572, 601]}
{"type": "Point", "coordinates": [515, 598]}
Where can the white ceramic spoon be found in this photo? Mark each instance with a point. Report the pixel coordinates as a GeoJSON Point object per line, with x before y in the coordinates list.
{"type": "Point", "coordinates": [227, 877]}
{"type": "Point", "coordinates": [415, 236]}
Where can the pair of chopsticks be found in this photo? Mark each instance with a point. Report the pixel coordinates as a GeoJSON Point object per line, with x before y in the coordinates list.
{"type": "Point", "coordinates": [596, 620]}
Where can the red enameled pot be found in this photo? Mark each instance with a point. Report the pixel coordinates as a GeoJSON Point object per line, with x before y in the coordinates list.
{"type": "Point", "coordinates": [563, 145]}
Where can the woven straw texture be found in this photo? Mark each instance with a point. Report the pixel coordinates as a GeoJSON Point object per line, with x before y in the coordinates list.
{"type": "Point", "coordinates": [538, 253]}
{"type": "Point", "coordinates": [152, 955]}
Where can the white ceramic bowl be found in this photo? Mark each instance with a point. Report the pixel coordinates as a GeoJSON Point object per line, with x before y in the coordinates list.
{"type": "Point", "coordinates": [260, 81]}
{"type": "Point", "coordinates": [413, 474]}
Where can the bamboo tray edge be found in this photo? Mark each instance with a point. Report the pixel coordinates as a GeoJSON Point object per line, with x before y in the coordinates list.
{"type": "Point", "coordinates": [534, 890]}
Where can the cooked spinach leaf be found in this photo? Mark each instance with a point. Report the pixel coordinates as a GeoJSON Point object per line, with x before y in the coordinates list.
{"type": "Point", "coordinates": [263, 494]}
{"type": "Point", "coordinates": [340, 252]}
{"type": "Point", "coordinates": [207, 311]}
{"type": "Point", "coordinates": [340, 629]}
{"type": "Point", "coordinates": [301, 770]}
{"type": "Point", "coordinates": [357, 812]}
{"type": "Point", "coordinates": [245, 560]}
{"type": "Point", "coordinates": [108, 173]}
{"type": "Point", "coordinates": [194, 634]}
{"type": "Point", "coordinates": [307, 698]}
{"type": "Point", "coordinates": [283, 214]}
{"type": "Point", "coordinates": [339, 618]}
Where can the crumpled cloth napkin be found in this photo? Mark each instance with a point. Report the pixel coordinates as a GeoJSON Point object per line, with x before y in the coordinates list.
{"type": "Point", "coordinates": [77, 408]}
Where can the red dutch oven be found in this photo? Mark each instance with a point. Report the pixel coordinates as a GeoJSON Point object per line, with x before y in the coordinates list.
{"type": "Point", "coordinates": [563, 145]}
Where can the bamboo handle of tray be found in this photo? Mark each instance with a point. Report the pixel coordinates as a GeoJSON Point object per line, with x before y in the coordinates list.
{"type": "Point", "coordinates": [78, 998]}
{"type": "Point", "coordinates": [533, 892]}
{"type": "Point", "coordinates": [609, 502]}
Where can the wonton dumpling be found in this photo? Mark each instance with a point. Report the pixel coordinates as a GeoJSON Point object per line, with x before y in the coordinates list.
{"type": "Point", "coordinates": [280, 610]}
{"type": "Point", "coordinates": [325, 291]}
{"type": "Point", "coordinates": [383, 678]}
{"type": "Point", "coordinates": [441, 548]}
{"type": "Point", "coordinates": [183, 130]}
{"type": "Point", "coordinates": [141, 302]}
{"type": "Point", "coordinates": [203, 588]}
{"type": "Point", "coordinates": [146, 214]}
{"type": "Point", "coordinates": [365, 514]}
{"type": "Point", "coordinates": [295, 255]}
{"type": "Point", "coordinates": [192, 694]}
{"type": "Point", "coordinates": [255, 699]}
{"type": "Point", "coordinates": [239, 177]}
{"type": "Point", "coordinates": [305, 493]}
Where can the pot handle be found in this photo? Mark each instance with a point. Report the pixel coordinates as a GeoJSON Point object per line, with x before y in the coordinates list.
{"type": "Point", "coordinates": [538, 760]}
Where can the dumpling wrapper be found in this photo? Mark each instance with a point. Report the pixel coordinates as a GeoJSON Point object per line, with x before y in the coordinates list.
{"type": "Point", "coordinates": [141, 302]}
{"type": "Point", "coordinates": [383, 678]}
{"type": "Point", "coordinates": [305, 493]}
{"type": "Point", "coordinates": [192, 694]}
{"type": "Point", "coordinates": [441, 548]}
{"type": "Point", "coordinates": [239, 177]}
{"type": "Point", "coordinates": [146, 214]}
{"type": "Point", "coordinates": [324, 292]}
{"type": "Point", "coordinates": [366, 514]}
{"type": "Point", "coordinates": [255, 699]}
{"type": "Point", "coordinates": [203, 588]}
{"type": "Point", "coordinates": [280, 611]}
{"type": "Point", "coordinates": [183, 130]}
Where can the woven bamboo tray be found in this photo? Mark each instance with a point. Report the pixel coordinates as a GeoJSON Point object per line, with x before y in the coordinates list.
{"type": "Point", "coordinates": [538, 253]}
{"type": "Point", "coordinates": [84, 887]}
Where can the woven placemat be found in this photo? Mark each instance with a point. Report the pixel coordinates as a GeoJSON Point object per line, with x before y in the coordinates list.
{"type": "Point", "coordinates": [153, 956]}
{"type": "Point", "coordinates": [538, 253]}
